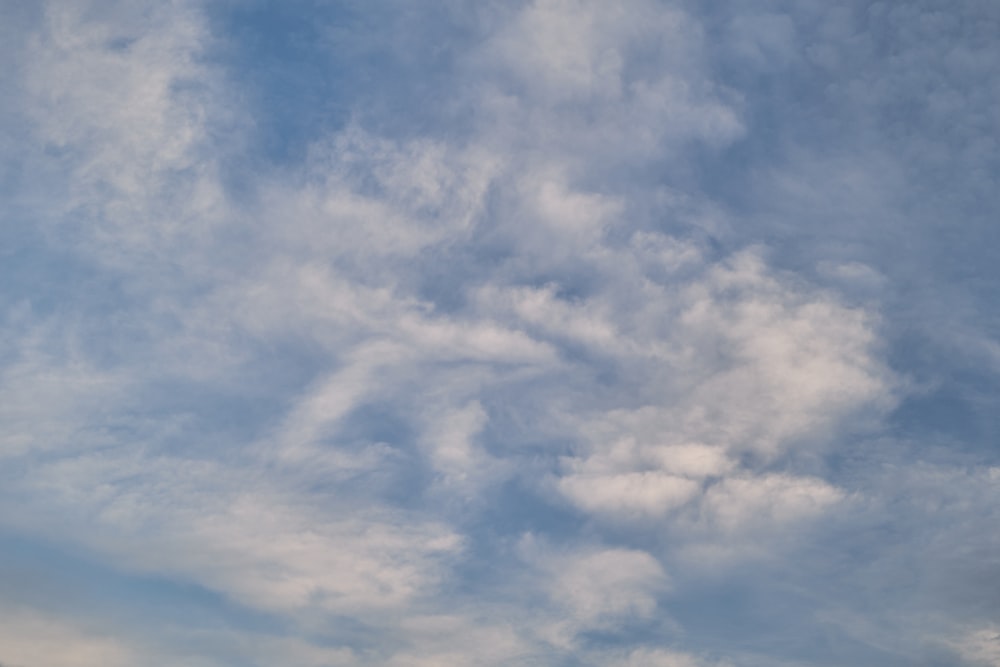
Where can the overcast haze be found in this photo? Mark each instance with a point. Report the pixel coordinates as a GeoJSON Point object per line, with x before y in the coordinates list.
{"type": "Point", "coordinates": [571, 333]}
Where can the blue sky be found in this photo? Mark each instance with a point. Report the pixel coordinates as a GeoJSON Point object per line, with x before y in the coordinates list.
{"type": "Point", "coordinates": [535, 332]}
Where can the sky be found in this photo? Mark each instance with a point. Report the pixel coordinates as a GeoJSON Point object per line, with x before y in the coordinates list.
{"type": "Point", "coordinates": [569, 333]}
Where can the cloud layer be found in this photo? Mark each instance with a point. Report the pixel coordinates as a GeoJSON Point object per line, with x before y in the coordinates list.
{"type": "Point", "coordinates": [552, 332]}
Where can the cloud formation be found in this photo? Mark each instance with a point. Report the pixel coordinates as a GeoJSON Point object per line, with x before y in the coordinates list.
{"type": "Point", "coordinates": [589, 334]}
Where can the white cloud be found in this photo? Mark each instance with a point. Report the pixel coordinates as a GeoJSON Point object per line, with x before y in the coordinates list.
{"type": "Point", "coordinates": [639, 88]}
{"type": "Point", "coordinates": [660, 658]}
{"type": "Point", "coordinates": [452, 640]}
{"type": "Point", "coordinates": [542, 295]}
{"type": "Point", "coordinates": [792, 364]}
{"type": "Point", "coordinates": [745, 505]}
{"type": "Point", "coordinates": [980, 647]}
{"type": "Point", "coordinates": [29, 638]}
{"type": "Point", "coordinates": [738, 361]}
{"type": "Point", "coordinates": [592, 588]}
{"type": "Point", "coordinates": [361, 200]}
{"type": "Point", "coordinates": [631, 494]}
{"type": "Point", "coordinates": [450, 442]}
{"type": "Point", "coordinates": [48, 396]}
{"type": "Point", "coordinates": [236, 531]}
{"type": "Point", "coordinates": [119, 91]}
{"type": "Point", "coordinates": [599, 587]}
